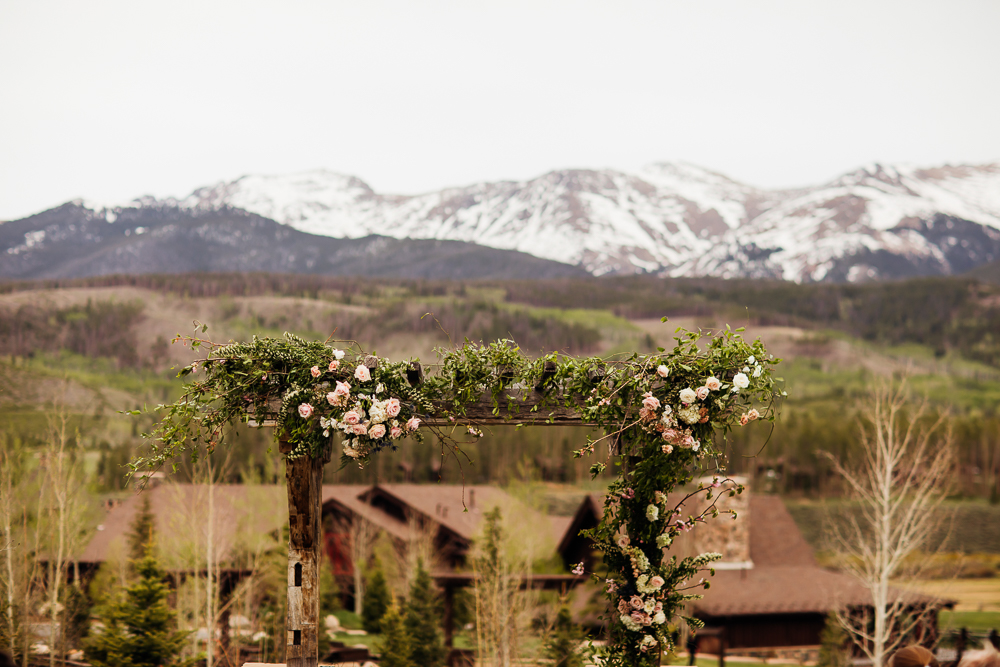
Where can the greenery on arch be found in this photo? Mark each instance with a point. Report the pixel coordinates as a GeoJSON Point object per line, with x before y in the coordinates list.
{"type": "Point", "coordinates": [663, 417]}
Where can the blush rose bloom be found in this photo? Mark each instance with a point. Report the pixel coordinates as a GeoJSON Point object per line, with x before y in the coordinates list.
{"type": "Point", "coordinates": [305, 410]}
{"type": "Point", "coordinates": [395, 432]}
{"type": "Point", "coordinates": [662, 371]}
{"type": "Point", "coordinates": [744, 419]}
{"type": "Point", "coordinates": [392, 407]}
{"type": "Point", "coordinates": [636, 602]}
{"type": "Point", "coordinates": [687, 395]}
{"type": "Point", "coordinates": [656, 582]}
{"type": "Point", "coordinates": [359, 429]}
{"type": "Point", "coordinates": [352, 417]}
{"type": "Point", "coordinates": [651, 402]}
{"type": "Point", "coordinates": [377, 431]}
{"type": "Point", "coordinates": [753, 414]}
{"type": "Point", "coordinates": [315, 371]}
{"type": "Point", "coordinates": [701, 393]}
{"type": "Point", "coordinates": [713, 384]}
{"type": "Point", "coordinates": [362, 374]}
{"type": "Point", "coordinates": [412, 424]}
{"type": "Point", "coordinates": [334, 365]}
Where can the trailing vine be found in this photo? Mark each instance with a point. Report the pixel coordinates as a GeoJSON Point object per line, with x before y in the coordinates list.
{"type": "Point", "coordinates": [662, 417]}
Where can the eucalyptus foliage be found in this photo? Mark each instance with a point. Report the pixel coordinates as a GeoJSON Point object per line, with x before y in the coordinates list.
{"type": "Point", "coordinates": [663, 416]}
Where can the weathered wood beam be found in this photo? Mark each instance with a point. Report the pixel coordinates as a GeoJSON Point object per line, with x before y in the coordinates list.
{"type": "Point", "coordinates": [304, 478]}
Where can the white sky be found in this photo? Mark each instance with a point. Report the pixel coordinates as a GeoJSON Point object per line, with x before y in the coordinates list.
{"type": "Point", "coordinates": [111, 100]}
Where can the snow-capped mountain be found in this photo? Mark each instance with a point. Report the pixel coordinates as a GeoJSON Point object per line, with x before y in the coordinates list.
{"type": "Point", "coordinates": [674, 219]}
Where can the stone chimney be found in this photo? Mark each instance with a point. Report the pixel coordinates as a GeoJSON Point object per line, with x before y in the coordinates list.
{"type": "Point", "coordinates": [724, 535]}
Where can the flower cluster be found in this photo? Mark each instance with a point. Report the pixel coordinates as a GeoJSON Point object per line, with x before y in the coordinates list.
{"type": "Point", "coordinates": [369, 417]}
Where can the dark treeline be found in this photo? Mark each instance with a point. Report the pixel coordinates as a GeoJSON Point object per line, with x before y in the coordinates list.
{"type": "Point", "coordinates": [946, 314]}
{"type": "Point", "coordinates": [97, 329]}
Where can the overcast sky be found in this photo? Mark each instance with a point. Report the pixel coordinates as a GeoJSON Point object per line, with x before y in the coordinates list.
{"type": "Point", "coordinates": [111, 100]}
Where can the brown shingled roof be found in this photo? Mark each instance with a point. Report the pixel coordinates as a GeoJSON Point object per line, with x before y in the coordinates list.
{"type": "Point", "coordinates": [242, 513]}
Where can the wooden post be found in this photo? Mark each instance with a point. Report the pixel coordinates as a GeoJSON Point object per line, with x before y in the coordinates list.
{"type": "Point", "coordinates": [305, 497]}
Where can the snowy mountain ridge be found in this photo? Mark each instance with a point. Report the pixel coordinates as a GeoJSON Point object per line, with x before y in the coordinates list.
{"type": "Point", "coordinates": [879, 221]}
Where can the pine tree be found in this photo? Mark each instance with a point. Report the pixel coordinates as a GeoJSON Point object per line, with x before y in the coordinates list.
{"type": "Point", "coordinates": [139, 627]}
{"type": "Point", "coordinates": [562, 643]}
{"type": "Point", "coordinates": [142, 531]}
{"type": "Point", "coordinates": [397, 646]}
{"type": "Point", "coordinates": [423, 620]}
{"type": "Point", "coordinates": [377, 599]}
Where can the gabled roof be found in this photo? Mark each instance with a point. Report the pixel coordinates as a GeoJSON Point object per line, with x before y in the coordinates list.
{"type": "Point", "coordinates": [243, 513]}
{"type": "Point", "coordinates": [784, 576]}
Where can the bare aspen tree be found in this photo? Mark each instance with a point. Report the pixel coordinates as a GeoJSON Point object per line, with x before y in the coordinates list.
{"type": "Point", "coordinates": [63, 485]}
{"type": "Point", "coordinates": [10, 464]}
{"type": "Point", "coordinates": [899, 484]}
{"type": "Point", "coordinates": [363, 535]}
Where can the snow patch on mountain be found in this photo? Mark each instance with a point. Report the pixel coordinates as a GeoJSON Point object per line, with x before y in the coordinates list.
{"type": "Point", "coordinates": [674, 218]}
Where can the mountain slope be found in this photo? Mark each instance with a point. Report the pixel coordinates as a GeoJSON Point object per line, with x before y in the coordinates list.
{"type": "Point", "coordinates": [673, 219]}
{"type": "Point", "coordinates": [878, 221]}
{"type": "Point", "coordinates": [73, 241]}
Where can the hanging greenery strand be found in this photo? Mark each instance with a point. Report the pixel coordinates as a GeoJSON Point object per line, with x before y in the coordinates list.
{"type": "Point", "coordinates": [663, 416]}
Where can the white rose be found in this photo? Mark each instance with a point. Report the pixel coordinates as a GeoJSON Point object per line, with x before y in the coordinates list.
{"type": "Point", "coordinates": [751, 360]}
{"type": "Point", "coordinates": [688, 395]}
{"type": "Point", "coordinates": [339, 354]}
{"type": "Point", "coordinates": [662, 371]}
{"type": "Point", "coordinates": [757, 371]}
{"type": "Point", "coordinates": [659, 618]}
{"type": "Point", "coordinates": [741, 381]}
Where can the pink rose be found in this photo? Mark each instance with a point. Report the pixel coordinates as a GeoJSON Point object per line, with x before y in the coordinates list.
{"type": "Point", "coordinates": [636, 602]}
{"type": "Point", "coordinates": [656, 581]}
{"type": "Point", "coordinates": [623, 606]}
{"type": "Point", "coordinates": [713, 384]}
{"type": "Point", "coordinates": [646, 414]}
{"type": "Point", "coordinates": [753, 414]}
{"type": "Point", "coordinates": [578, 570]}
{"type": "Point", "coordinates": [376, 431]}
{"type": "Point", "coordinates": [662, 371]}
{"type": "Point", "coordinates": [395, 432]}
{"type": "Point", "coordinates": [392, 407]}
{"type": "Point", "coordinates": [305, 410]}
{"type": "Point", "coordinates": [628, 493]}
{"type": "Point", "coordinates": [315, 371]}
{"type": "Point", "coordinates": [667, 449]}
{"type": "Point", "coordinates": [362, 374]}
{"type": "Point", "coordinates": [334, 365]}
{"type": "Point", "coordinates": [412, 424]}
{"type": "Point", "coordinates": [744, 419]}
{"type": "Point", "coordinates": [352, 417]}
{"type": "Point", "coordinates": [651, 402]}
{"type": "Point", "coordinates": [333, 398]}
{"type": "Point", "coordinates": [359, 429]}
{"type": "Point", "coordinates": [702, 393]}
{"type": "Point", "coordinates": [622, 541]}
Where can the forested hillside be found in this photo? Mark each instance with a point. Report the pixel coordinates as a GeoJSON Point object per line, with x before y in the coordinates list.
{"type": "Point", "coordinates": [101, 345]}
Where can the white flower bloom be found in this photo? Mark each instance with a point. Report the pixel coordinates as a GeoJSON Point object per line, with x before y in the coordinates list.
{"type": "Point", "coordinates": [649, 605]}
{"type": "Point", "coordinates": [339, 354]}
{"type": "Point", "coordinates": [659, 618]}
{"type": "Point", "coordinates": [662, 371]}
{"type": "Point", "coordinates": [687, 395]}
{"type": "Point", "coordinates": [379, 388]}
{"type": "Point", "coordinates": [746, 369]}
{"type": "Point", "coordinates": [690, 414]}
{"type": "Point", "coordinates": [757, 371]}
{"type": "Point", "coordinates": [629, 623]}
{"type": "Point", "coordinates": [741, 381]}
{"type": "Point", "coordinates": [664, 540]}
{"type": "Point", "coordinates": [751, 360]}
{"type": "Point", "coordinates": [652, 512]}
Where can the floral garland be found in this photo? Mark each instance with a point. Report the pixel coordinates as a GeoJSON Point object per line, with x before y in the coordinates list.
{"type": "Point", "coordinates": [662, 415]}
